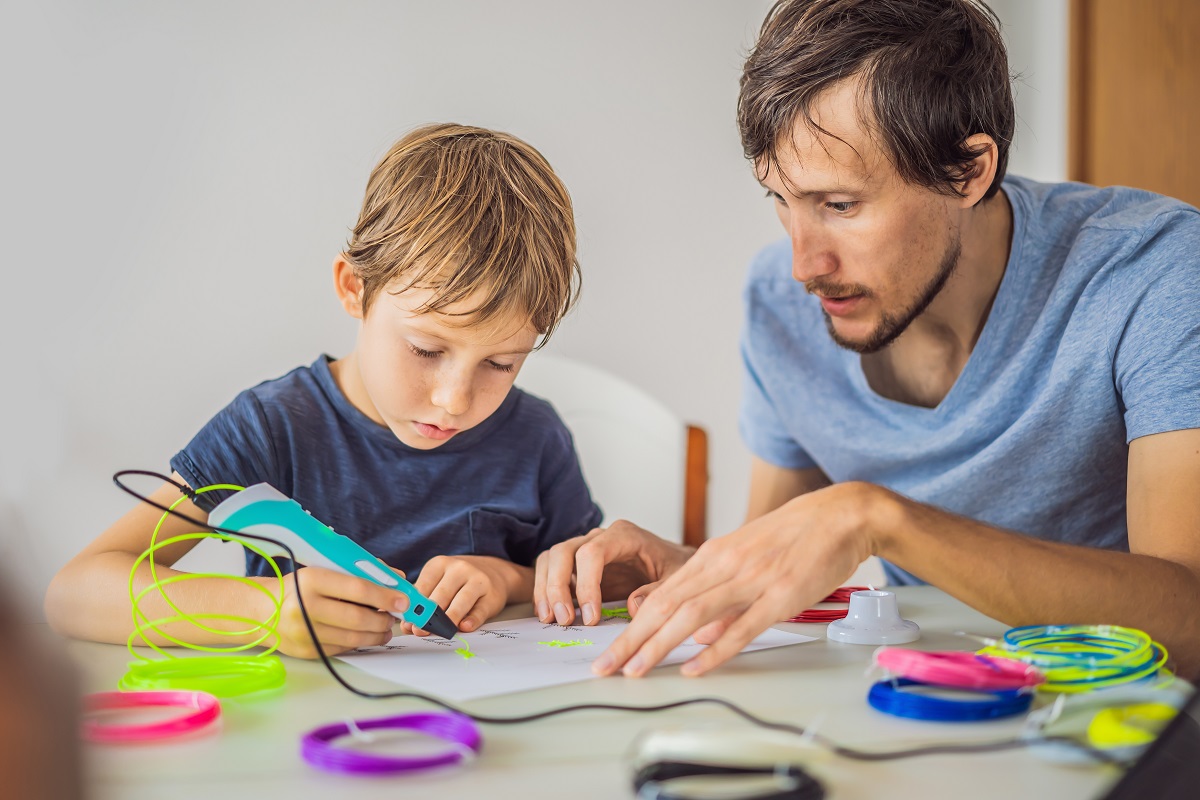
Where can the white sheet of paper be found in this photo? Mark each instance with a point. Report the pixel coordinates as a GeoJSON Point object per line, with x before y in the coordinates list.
{"type": "Point", "coordinates": [512, 656]}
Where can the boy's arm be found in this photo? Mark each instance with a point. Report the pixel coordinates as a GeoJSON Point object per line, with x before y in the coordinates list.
{"type": "Point", "coordinates": [89, 597]}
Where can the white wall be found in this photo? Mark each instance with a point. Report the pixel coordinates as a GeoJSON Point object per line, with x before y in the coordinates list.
{"type": "Point", "coordinates": [1036, 34]}
{"type": "Point", "coordinates": [179, 176]}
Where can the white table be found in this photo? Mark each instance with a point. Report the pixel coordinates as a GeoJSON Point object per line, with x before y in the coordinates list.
{"type": "Point", "coordinates": [582, 755]}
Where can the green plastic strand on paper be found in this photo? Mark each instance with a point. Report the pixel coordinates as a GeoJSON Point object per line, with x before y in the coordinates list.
{"type": "Point", "coordinates": [568, 643]}
{"type": "Point", "coordinates": [465, 650]}
{"type": "Point", "coordinates": [620, 613]}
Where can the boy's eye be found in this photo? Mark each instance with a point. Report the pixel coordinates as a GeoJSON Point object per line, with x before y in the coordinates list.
{"type": "Point", "coordinates": [778, 198]}
{"type": "Point", "coordinates": [499, 366]}
{"type": "Point", "coordinates": [423, 353]}
{"type": "Point", "coordinates": [842, 207]}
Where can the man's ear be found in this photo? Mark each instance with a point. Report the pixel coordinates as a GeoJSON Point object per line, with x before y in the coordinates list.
{"type": "Point", "coordinates": [348, 285]}
{"type": "Point", "coordinates": [979, 174]}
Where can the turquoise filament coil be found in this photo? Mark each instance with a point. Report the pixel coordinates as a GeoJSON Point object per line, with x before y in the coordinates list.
{"type": "Point", "coordinates": [227, 676]}
{"type": "Point", "coordinates": [1081, 658]}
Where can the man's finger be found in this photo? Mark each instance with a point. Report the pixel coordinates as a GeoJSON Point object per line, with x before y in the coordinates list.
{"type": "Point", "coordinates": [689, 616]}
{"type": "Point", "coordinates": [590, 560]}
{"type": "Point", "coordinates": [540, 605]}
{"type": "Point", "coordinates": [639, 596]}
{"type": "Point", "coordinates": [713, 630]}
{"type": "Point", "coordinates": [560, 568]}
{"type": "Point", "coordinates": [760, 616]}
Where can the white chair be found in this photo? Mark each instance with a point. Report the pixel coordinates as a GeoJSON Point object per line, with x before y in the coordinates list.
{"type": "Point", "coordinates": [641, 462]}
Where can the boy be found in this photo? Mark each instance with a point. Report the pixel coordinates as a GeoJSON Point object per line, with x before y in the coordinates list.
{"type": "Point", "coordinates": [416, 444]}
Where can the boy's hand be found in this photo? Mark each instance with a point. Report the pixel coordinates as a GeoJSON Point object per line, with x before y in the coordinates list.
{"type": "Point", "coordinates": [472, 589]}
{"type": "Point", "coordinates": [344, 611]}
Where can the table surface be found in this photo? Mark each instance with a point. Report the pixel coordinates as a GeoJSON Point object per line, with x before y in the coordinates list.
{"type": "Point", "coordinates": [255, 753]}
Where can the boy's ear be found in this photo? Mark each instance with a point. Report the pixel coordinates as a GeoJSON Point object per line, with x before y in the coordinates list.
{"type": "Point", "coordinates": [348, 285]}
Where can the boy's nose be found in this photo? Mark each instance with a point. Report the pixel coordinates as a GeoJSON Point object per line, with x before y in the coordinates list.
{"type": "Point", "coordinates": [452, 394]}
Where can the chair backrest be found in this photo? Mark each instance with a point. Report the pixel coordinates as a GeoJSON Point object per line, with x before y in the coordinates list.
{"type": "Point", "coordinates": [641, 462]}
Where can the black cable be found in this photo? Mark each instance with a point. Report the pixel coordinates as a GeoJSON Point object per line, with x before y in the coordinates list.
{"type": "Point", "coordinates": [841, 750]}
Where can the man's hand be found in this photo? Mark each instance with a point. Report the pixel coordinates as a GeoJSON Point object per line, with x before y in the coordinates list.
{"type": "Point", "coordinates": [606, 563]}
{"type": "Point", "coordinates": [472, 589]}
{"type": "Point", "coordinates": [738, 585]}
{"type": "Point", "coordinates": [347, 612]}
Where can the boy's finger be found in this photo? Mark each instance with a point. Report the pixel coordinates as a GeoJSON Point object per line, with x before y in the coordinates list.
{"type": "Point", "coordinates": [314, 581]}
{"type": "Point", "coordinates": [348, 616]}
{"type": "Point", "coordinates": [431, 575]}
{"type": "Point", "coordinates": [336, 640]}
{"type": "Point", "coordinates": [465, 600]}
{"type": "Point", "coordinates": [487, 607]}
{"type": "Point", "coordinates": [444, 593]}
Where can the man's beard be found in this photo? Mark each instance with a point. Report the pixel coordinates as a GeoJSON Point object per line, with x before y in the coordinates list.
{"type": "Point", "coordinates": [891, 325]}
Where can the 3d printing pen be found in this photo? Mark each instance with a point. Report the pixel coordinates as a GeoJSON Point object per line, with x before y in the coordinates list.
{"type": "Point", "coordinates": [263, 510]}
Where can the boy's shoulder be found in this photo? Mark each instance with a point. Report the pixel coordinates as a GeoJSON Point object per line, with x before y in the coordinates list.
{"type": "Point", "coordinates": [534, 415]}
{"type": "Point", "coordinates": [302, 382]}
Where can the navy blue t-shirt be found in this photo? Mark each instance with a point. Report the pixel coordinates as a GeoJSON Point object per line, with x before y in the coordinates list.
{"type": "Point", "coordinates": [510, 487]}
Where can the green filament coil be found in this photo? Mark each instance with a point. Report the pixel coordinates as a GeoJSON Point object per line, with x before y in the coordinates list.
{"type": "Point", "coordinates": [219, 672]}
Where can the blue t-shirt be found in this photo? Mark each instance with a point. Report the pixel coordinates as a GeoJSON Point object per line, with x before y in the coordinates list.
{"type": "Point", "coordinates": [509, 487]}
{"type": "Point", "coordinates": [1093, 340]}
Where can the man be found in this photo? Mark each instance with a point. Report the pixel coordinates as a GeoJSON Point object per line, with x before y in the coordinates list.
{"type": "Point", "coordinates": [993, 385]}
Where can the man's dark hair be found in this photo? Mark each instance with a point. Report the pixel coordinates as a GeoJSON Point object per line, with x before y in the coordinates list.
{"type": "Point", "coordinates": [933, 73]}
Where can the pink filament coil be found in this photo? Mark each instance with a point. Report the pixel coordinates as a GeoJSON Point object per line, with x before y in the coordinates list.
{"type": "Point", "coordinates": [203, 707]}
{"type": "Point", "coordinates": [959, 670]}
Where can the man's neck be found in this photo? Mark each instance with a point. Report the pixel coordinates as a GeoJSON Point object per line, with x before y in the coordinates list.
{"type": "Point", "coordinates": [923, 363]}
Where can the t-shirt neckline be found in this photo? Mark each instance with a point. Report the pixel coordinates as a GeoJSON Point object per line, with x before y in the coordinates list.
{"type": "Point", "coordinates": [995, 329]}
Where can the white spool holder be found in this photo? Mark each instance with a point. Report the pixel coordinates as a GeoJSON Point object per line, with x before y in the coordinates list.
{"type": "Point", "coordinates": [873, 618]}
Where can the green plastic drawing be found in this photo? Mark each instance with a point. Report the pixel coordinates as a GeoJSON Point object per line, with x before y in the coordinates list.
{"type": "Point", "coordinates": [620, 613]}
{"type": "Point", "coordinates": [568, 643]}
{"type": "Point", "coordinates": [465, 650]}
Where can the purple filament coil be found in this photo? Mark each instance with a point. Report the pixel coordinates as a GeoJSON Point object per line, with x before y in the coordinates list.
{"type": "Point", "coordinates": [318, 749]}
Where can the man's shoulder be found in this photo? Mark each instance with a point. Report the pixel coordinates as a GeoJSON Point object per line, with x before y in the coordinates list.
{"type": "Point", "coordinates": [1068, 211]}
{"type": "Point", "coordinates": [771, 264]}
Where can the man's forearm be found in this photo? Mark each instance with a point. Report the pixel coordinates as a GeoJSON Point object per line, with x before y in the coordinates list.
{"type": "Point", "coordinates": [1021, 580]}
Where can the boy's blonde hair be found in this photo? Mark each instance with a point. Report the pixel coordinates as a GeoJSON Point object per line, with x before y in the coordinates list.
{"type": "Point", "coordinates": [458, 209]}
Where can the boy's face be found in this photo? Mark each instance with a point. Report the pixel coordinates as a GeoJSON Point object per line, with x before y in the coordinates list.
{"type": "Point", "coordinates": [875, 249]}
{"type": "Point", "coordinates": [427, 376]}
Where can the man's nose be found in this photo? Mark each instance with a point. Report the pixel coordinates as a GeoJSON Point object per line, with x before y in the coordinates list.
{"type": "Point", "coordinates": [810, 257]}
{"type": "Point", "coordinates": [452, 391]}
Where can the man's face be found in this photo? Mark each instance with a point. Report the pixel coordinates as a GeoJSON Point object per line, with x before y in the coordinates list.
{"type": "Point", "coordinates": [428, 376]}
{"type": "Point", "coordinates": [874, 249]}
